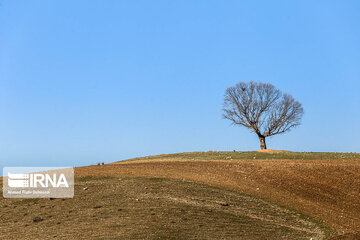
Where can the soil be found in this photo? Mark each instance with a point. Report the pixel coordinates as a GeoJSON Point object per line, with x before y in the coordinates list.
{"type": "Point", "coordinates": [152, 208]}
{"type": "Point", "coordinates": [273, 151]}
{"type": "Point", "coordinates": [327, 190]}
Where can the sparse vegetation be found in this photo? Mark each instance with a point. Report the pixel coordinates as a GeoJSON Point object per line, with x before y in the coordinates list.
{"type": "Point", "coordinates": [204, 199]}
{"type": "Point", "coordinates": [92, 178]}
{"type": "Point", "coordinates": [233, 155]}
{"type": "Point", "coordinates": [154, 208]}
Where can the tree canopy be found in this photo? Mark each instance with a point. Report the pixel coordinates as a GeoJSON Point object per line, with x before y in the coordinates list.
{"type": "Point", "coordinates": [262, 108]}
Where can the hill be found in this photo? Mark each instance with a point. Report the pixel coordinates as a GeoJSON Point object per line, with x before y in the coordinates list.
{"type": "Point", "coordinates": [201, 195]}
{"type": "Point", "coordinates": [153, 208]}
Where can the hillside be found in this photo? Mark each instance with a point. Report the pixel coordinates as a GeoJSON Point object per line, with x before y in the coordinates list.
{"type": "Point", "coordinates": [325, 186]}
{"type": "Point", "coordinates": [153, 208]}
{"type": "Point", "coordinates": [201, 195]}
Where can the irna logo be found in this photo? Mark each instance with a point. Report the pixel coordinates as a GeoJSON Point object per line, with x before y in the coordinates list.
{"type": "Point", "coordinates": [38, 182]}
{"type": "Point", "coordinates": [35, 180]}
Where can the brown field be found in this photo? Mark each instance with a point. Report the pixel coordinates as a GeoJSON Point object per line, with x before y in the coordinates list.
{"type": "Point", "coordinates": [323, 186]}
{"type": "Point", "coordinates": [153, 208]}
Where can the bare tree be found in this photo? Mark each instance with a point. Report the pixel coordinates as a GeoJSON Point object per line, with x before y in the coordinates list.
{"type": "Point", "coordinates": [262, 108]}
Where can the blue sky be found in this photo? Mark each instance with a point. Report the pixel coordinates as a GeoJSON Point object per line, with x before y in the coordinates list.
{"type": "Point", "coordinates": [83, 82]}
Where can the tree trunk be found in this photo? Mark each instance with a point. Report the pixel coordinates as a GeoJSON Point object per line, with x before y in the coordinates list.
{"type": "Point", "coordinates": [262, 142]}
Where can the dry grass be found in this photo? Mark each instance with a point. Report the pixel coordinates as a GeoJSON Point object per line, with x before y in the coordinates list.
{"type": "Point", "coordinates": [267, 154]}
{"type": "Point", "coordinates": [273, 151]}
{"type": "Point", "coordinates": [324, 186]}
{"type": "Point", "coordinates": [152, 208]}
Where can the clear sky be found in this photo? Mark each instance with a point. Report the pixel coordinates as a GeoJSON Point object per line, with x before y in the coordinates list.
{"type": "Point", "coordinates": [83, 82]}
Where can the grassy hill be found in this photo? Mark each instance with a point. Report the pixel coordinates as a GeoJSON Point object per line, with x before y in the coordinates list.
{"type": "Point", "coordinates": [238, 155]}
{"type": "Point", "coordinates": [200, 195]}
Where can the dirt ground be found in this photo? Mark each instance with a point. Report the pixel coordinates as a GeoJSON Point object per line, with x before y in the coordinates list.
{"type": "Point", "coordinates": [152, 208]}
{"type": "Point", "coordinates": [328, 190]}
{"type": "Point", "coordinates": [273, 151]}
